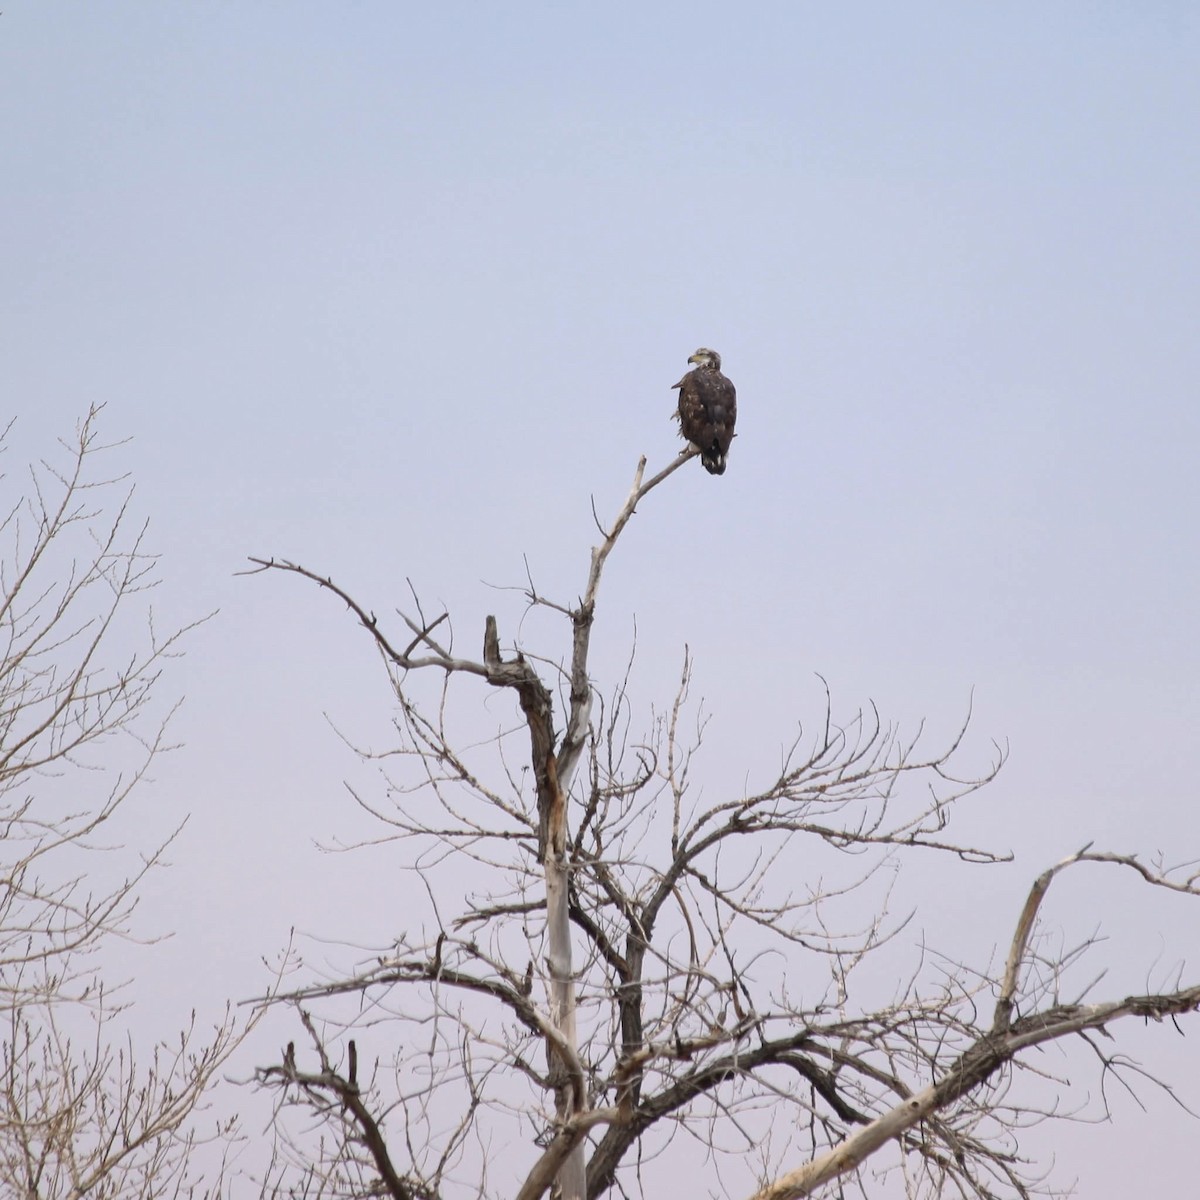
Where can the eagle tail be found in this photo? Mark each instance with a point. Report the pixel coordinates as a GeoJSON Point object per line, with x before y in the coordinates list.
{"type": "Point", "coordinates": [714, 461]}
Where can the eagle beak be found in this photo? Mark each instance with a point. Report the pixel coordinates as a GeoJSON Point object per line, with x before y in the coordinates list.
{"type": "Point", "coordinates": [695, 358]}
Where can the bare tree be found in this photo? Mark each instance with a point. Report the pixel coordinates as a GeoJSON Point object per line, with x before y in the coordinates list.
{"type": "Point", "coordinates": [84, 1111]}
{"type": "Point", "coordinates": [697, 973]}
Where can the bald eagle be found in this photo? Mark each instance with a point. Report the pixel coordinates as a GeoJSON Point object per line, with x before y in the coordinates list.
{"type": "Point", "coordinates": [707, 409]}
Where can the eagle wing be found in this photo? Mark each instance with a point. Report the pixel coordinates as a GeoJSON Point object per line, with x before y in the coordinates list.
{"type": "Point", "coordinates": [707, 413]}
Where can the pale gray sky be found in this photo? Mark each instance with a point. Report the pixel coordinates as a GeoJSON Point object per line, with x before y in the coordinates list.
{"type": "Point", "coordinates": [395, 289]}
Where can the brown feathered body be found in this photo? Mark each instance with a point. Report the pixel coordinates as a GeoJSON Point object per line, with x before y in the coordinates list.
{"type": "Point", "coordinates": [707, 410]}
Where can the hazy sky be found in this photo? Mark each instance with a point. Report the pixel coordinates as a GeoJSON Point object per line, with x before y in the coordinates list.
{"type": "Point", "coordinates": [395, 290]}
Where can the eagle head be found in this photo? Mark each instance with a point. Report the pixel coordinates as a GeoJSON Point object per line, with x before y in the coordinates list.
{"type": "Point", "coordinates": [706, 358]}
